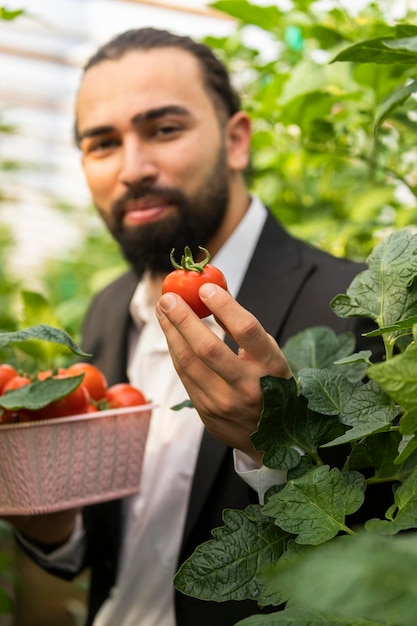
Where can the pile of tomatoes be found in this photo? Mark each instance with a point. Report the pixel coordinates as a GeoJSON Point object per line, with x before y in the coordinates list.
{"type": "Point", "coordinates": [92, 394]}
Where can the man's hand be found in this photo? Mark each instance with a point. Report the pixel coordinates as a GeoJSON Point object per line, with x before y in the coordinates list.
{"type": "Point", "coordinates": [223, 386]}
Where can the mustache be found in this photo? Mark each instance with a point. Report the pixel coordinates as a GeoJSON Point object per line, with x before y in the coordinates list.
{"type": "Point", "coordinates": [139, 191]}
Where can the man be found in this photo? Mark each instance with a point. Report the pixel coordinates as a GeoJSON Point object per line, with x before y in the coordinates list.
{"type": "Point", "coordinates": [164, 148]}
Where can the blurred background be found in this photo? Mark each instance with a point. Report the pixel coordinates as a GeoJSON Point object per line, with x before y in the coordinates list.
{"type": "Point", "coordinates": [316, 160]}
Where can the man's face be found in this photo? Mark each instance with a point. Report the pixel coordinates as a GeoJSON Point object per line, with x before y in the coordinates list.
{"type": "Point", "coordinates": [154, 154]}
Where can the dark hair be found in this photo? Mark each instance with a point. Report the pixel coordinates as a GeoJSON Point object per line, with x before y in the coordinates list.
{"type": "Point", "coordinates": [215, 75]}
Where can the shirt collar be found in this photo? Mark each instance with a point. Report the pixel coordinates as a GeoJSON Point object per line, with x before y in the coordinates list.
{"type": "Point", "coordinates": [232, 259]}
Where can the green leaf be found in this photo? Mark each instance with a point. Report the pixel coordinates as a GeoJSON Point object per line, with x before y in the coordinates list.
{"type": "Point", "coordinates": [286, 427]}
{"type": "Point", "coordinates": [367, 411]}
{"type": "Point", "coordinates": [398, 378]}
{"type": "Point", "coordinates": [326, 391]}
{"type": "Point", "coordinates": [314, 506]}
{"type": "Point", "coordinates": [6, 14]}
{"type": "Point", "coordinates": [396, 47]}
{"type": "Point", "coordinates": [317, 347]}
{"type": "Point", "coordinates": [43, 332]}
{"type": "Point", "coordinates": [364, 577]}
{"type": "Point", "coordinates": [303, 617]}
{"type": "Point", "coordinates": [248, 13]}
{"type": "Point", "coordinates": [228, 567]}
{"type": "Point", "coordinates": [405, 509]}
{"type": "Point", "coordinates": [392, 102]}
{"type": "Point", "coordinates": [40, 393]}
{"type": "Point", "coordinates": [185, 404]}
{"type": "Point", "coordinates": [379, 452]}
{"type": "Point", "coordinates": [386, 292]}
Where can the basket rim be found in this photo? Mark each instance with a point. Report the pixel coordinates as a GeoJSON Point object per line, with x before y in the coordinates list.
{"type": "Point", "coordinates": [94, 415]}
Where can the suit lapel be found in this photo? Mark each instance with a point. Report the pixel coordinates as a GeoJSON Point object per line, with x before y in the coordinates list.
{"type": "Point", "coordinates": [270, 285]}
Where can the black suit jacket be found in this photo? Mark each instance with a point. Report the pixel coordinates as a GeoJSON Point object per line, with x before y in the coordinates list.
{"type": "Point", "coordinates": [288, 286]}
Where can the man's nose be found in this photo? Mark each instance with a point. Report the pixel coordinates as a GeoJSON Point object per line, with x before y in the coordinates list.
{"type": "Point", "coordinates": [138, 164]}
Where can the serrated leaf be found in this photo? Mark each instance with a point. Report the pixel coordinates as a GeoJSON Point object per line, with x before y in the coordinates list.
{"type": "Point", "coordinates": [398, 378]}
{"type": "Point", "coordinates": [326, 391]}
{"type": "Point", "coordinates": [315, 505]}
{"type": "Point", "coordinates": [287, 428]}
{"type": "Point", "coordinates": [380, 452]}
{"type": "Point", "coordinates": [365, 577]}
{"type": "Point", "coordinates": [386, 292]}
{"type": "Point", "coordinates": [42, 332]}
{"type": "Point", "coordinates": [40, 393]}
{"type": "Point", "coordinates": [405, 517]}
{"type": "Point", "coordinates": [228, 567]}
{"type": "Point", "coordinates": [317, 347]}
{"type": "Point", "coordinates": [367, 412]}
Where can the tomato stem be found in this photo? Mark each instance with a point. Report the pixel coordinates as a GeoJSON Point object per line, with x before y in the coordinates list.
{"type": "Point", "coordinates": [187, 262]}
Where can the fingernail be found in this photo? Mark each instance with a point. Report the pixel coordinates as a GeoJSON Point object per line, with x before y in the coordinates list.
{"type": "Point", "coordinates": [207, 290]}
{"type": "Point", "coordinates": [167, 302]}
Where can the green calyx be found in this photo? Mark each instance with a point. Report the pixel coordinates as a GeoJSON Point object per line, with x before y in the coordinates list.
{"type": "Point", "coordinates": [187, 261]}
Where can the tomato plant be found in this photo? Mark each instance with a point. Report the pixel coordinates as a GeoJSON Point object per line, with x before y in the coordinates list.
{"type": "Point", "coordinates": [123, 394]}
{"type": "Point", "coordinates": [94, 380]}
{"type": "Point", "coordinates": [187, 278]}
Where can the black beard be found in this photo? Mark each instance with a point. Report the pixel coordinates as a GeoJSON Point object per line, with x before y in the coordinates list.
{"type": "Point", "coordinates": [148, 246]}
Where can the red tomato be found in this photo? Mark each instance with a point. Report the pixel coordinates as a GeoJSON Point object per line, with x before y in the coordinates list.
{"type": "Point", "coordinates": [16, 382]}
{"type": "Point", "coordinates": [75, 403]}
{"type": "Point", "coordinates": [123, 394]}
{"type": "Point", "coordinates": [44, 374]}
{"type": "Point", "coordinates": [94, 379]}
{"type": "Point", "coordinates": [188, 277]}
{"type": "Point", "coordinates": [6, 373]}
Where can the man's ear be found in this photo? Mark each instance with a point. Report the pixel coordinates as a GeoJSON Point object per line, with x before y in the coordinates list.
{"type": "Point", "coordinates": [238, 136]}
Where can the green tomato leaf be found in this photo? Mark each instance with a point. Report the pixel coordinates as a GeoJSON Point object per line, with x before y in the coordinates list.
{"type": "Point", "coordinates": [398, 378]}
{"type": "Point", "coordinates": [228, 567]}
{"type": "Point", "coordinates": [404, 513]}
{"type": "Point", "coordinates": [40, 393]}
{"type": "Point", "coordinates": [326, 391]}
{"type": "Point", "coordinates": [314, 506]}
{"type": "Point", "coordinates": [43, 332]}
{"type": "Point", "coordinates": [365, 579]}
{"type": "Point", "coordinates": [380, 452]}
{"type": "Point", "coordinates": [287, 428]}
{"type": "Point", "coordinates": [303, 617]}
{"type": "Point", "coordinates": [317, 347]}
{"type": "Point", "coordinates": [367, 411]}
{"type": "Point", "coordinates": [395, 47]}
{"type": "Point", "coordinates": [387, 291]}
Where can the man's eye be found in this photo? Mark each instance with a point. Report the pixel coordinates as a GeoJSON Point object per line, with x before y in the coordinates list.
{"type": "Point", "coordinates": [166, 130]}
{"type": "Point", "coordinates": [98, 145]}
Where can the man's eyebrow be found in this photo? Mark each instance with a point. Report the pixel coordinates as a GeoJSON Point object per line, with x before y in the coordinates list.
{"type": "Point", "coordinates": [92, 132]}
{"type": "Point", "coordinates": [160, 112]}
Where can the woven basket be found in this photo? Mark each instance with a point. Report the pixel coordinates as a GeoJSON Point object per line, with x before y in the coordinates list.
{"type": "Point", "coordinates": [57, 464]}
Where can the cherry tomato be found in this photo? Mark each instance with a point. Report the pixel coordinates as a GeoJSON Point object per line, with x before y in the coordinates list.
{"type": "Point", "coordinates": [44, 374]}
{"type": "Point", "coordinates": [75, 403]}
{"type": "Point", "coordinates": [123, 394]}
{"type": "Point", "coordinates": [188, 277]}
{"type": "Point", "coordinates": [94, 379]}
{"type": "Point", "coordinates": [6, 373]}
{"type": "Point", "coordinates": [16, 382]}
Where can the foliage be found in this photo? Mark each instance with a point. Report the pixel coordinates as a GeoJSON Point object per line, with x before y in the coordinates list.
{"type": "Point", "coordinates": [315, 161]}
{"type": "Point", "coordinates": [365, 414]}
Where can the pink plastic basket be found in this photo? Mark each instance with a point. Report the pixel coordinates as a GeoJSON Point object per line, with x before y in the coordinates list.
{"type": "Point", "coordinates": [57, 464]}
